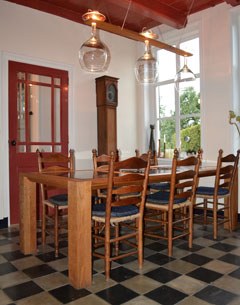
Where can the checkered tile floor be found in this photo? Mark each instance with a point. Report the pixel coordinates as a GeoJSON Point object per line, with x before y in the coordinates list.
{"type": "Point", "coordinates": [208, 274]}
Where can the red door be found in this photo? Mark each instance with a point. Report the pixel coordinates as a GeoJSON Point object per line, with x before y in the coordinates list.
{"type": "Point", "coordinates": [38, 119]}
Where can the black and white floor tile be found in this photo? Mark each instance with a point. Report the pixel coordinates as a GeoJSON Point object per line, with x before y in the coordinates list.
{"type": "Point", "coordinates": [207, 274]}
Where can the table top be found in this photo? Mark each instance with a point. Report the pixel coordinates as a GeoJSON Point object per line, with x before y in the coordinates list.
{"type": "Point", "coordinates": [60, 179]}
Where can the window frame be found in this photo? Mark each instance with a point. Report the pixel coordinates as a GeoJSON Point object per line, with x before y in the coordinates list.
{"type": "Point", "coordinates": [193, 34]}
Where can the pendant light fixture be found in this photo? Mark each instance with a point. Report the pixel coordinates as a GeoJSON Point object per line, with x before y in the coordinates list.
{"type": "Point", "coordinates": [94, 55]}
{"type": "Point", "coordinates": [184, 74]}
{"type": "Point", "coordinates": [146, 68]}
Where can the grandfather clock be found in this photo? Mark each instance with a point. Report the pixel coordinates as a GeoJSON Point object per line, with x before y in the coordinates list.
{"type": "Point", "coordinates": [107, 101]}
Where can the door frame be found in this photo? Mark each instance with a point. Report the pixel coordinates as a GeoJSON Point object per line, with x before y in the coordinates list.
{"type": "Point", "coordinates": [5, 57]}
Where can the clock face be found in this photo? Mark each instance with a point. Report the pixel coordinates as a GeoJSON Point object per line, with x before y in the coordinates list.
{"type": "Point", "coordinates": [112, 93]}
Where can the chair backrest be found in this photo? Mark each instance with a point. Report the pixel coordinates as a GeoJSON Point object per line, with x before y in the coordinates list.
{"type": "Point", "coordinates": [127, 183]}
{"type": "Point", "coordinates": [54, 162]}
{"type": "Point", "coordinates": [227, 167]}
{"type": "Point", "coordinates": [144, 156]}
{"type": "Point", "coordinates": [184, 178]}
{"type": "Point", "coordinates": [101, 162]}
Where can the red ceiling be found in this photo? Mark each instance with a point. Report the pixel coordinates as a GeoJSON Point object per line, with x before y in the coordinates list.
{"type": "Point", "coordinates": [131, 14]}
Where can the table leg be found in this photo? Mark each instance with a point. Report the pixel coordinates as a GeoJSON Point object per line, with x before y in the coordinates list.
{"type": "Point", "coordinates": [234, 203]}
{"type": "Point", "coordinates": [234, 206]}
{"type": "Point", "coordinates": [79, 234]}
{"type": "Point", "coordinates": [28, 220]}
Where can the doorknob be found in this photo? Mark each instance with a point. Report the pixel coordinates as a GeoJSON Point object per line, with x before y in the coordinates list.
{"type": "Point", "coordinates": [13, 143]}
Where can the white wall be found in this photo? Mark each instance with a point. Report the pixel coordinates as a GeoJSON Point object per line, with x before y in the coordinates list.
{"type": "Point", "coordinates": [216, 76]}
{"type": "Point", "coordinates": [32, 36]}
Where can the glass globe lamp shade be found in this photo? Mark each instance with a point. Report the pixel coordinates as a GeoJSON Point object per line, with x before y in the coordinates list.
{"type": "Point", "coordinates": [184, 74]}
{"type": "Point", "coordinates": [94, 55]}
{"type": "Point", "coordinates": [146, 68]}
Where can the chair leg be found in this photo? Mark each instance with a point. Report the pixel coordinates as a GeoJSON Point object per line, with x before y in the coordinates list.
{"type": "Point", "coordinates": [117, 242]}
{"type": "Point", "coordinates": [107, 252]}
{"type": "Point", "coordinates": [228, 202]}
{"type": "Point", "coordinates": [215, 219]}
{"type": "Point", "coordinates": [164, 218]}
{"type": "Point", "coordinates": [205, 206]}
{"type": "Point", "coordinates": [43, 224]}
{"type": "Point", "coordinates": [56, 225]}
{"type": "Point", "coordinates": [183, 213]}
{"type": "Point", "coordinates": [139, 237]}
{"type": "Point", "coordinates": [96, 230]}
{"type": "Point", "coordinates": [170, 233]}
{"type": "Point", "coordinates": [190, 227]}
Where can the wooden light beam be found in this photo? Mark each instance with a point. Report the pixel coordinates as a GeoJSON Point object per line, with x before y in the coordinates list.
{"type": "Point", "coordinates": [114, 29]}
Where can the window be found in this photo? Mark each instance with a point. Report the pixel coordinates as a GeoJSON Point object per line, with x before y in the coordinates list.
{"type": "Point", "coordinates": [178, 105]}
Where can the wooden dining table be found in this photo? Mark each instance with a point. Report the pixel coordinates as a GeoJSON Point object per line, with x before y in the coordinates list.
{"type": "Point", "coordinates": [79, 184]}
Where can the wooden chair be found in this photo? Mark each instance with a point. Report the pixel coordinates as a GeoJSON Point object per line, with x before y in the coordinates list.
{"type": "Point", "coordinates": [53, 203]}
{"type": "Point", "coordinates": [215, 204]}
{"type": "Point", "coordinates": [157, 186]}
{"type": "Point", "coordinates": [125, 200]}
{"type": "Point", "coordinates": [169, 215]}
{"type": "Point", "coordinates": [144, 156]}
{"type": "Point", "coordinates": [101, 164]}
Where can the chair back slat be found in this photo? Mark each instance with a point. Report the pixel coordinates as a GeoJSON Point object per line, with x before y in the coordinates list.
{"type": "Point", "coordinates": [186, 183]}
{"type": "Point", "coordinates": [129, 188]}
{"type": "Point", "coordinates": [144, 156]}
{"type": "Point", "coordinates": [185, 173]}
{"type": "Point", "coordinates": [189, 161]}
{"type": "Point", "coordinates": [229, 158]}
{"type": "Point", "coordinates": [134, 163]}
{"type": "Point", "coordinates": [133, 200]}
{"type": "Point", "coordinates": [185, 194]}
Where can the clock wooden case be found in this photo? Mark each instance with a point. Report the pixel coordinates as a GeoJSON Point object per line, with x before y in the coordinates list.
{"type": "Point", "coordinates": [107, 101]}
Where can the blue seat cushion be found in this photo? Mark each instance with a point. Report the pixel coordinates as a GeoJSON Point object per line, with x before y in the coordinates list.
{"type": "Point", "coordinates": [161, 186]}
{"type": "Point", "coordinates": [163, 198]}
{"type": "Point", "coordinates": [60, 199]}
{"type": "Point", "coordinates": [206, 190]}
{"type": "Point", "coordinates": [121, 211]}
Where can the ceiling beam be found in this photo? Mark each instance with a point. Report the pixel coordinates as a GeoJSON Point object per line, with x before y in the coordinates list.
{"type": "Point", "coordinates": [52, 8]}
{"type": "Point", "coordinates": [233, 2]}
{"type": "Point", "coordinates": [114, 29]}
{"type": "Point", "coordinates": [160, 12]}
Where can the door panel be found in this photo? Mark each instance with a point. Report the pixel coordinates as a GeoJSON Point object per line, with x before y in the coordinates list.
{"type": "Point", "coordinates": [38, 119]}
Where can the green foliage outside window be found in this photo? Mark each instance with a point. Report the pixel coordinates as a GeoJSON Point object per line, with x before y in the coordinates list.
{"type": "Point", "coordinates": [190, 139]}
{"type": "Point", "coordinates": [190, 125]}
